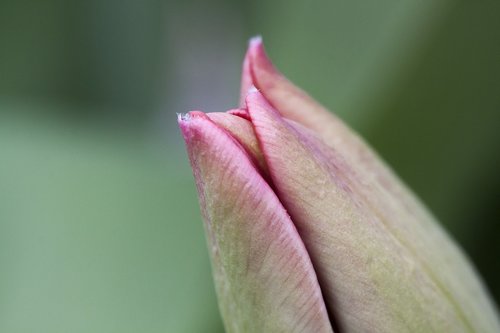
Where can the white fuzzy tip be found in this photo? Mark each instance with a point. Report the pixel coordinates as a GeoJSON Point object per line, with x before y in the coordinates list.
{"type": "Point", "coordinates": [255, 40]}
{"type": "Point", "coordinates": [183, 116]}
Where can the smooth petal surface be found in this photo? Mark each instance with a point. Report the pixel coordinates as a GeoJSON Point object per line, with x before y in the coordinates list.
{"type": "Point", "coordinates": [264, 278]}
{"type": "Point", "coordinates": [381, 268]}
{"type": "Point", "coordinates": [246, 73]}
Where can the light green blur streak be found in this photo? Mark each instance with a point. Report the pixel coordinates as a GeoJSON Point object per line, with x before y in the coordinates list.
{"type": "Point", "coordinates": [98, 234]}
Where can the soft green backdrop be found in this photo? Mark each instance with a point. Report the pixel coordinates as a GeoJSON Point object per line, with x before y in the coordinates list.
{"type": "Point", "coordinates": [99, 222]}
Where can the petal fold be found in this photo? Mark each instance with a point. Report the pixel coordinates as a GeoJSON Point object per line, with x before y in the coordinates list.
{"type": "Point", "coordinates": [241, 129]}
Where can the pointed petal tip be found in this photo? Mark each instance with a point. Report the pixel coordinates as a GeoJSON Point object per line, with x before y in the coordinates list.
{"type": "Point", "coordinates": [244, 94]}
{"type": "Point", "coordinates": [182, 117]}
{"type": "Point", "coordinates": [258, 57]}
{"type": "Point", "coordinates": [255, 41]}
{"type": "Point", "coordinates": [247, 80]}
{"type": "Point", "coordinates": [186, 117]}
{"type": "Point", "coordinates": [186, 123]}
{"type": "Point", "coordinates": [256, 98]}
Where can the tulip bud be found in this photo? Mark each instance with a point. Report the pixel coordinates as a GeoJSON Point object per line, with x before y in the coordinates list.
{"type": "Point", "coordinates": [310, 231]}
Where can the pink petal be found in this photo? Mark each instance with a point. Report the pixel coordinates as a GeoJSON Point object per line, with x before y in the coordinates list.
{"type": "Point", "coordinates": [263, 275]}
{"type": "Point", "coordinates": [394, 204]}
{"type": "Point", "coordinates": [246, 73]}
{"type": "Point", "coordinates": [295, 104]}
{"type": "Point", "coordinates": [291, 101]}
{"type": "Point", "coordinates": [368, 261]}
{"type": "Point", "coordinates": [241, 129]}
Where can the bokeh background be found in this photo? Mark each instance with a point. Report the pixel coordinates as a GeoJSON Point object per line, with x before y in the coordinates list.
{"type": "Point", "coordinates": [99, 222]}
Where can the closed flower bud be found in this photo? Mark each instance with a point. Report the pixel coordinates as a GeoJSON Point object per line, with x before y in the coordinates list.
{"type": "Point", "coordinates": [308, 229]}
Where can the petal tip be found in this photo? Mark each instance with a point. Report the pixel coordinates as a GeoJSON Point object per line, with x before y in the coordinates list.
{"type": "Point", "coordinates": [186, 117]}
{"type": "Point", "coordinates": [185, 121]}
{"type": "Point", "coordinates": [183, 117]}
{"type": "Point", "coordinates": [254, 44]}
{"type": "Point", "coordinates": [255, 41]}
{"type": "Point", "coordinates": [255, 97]}
{"type": "Point", "coordinates": [259, 65]}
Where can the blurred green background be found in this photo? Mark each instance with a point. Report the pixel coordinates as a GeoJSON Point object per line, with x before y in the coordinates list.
{"type": "Point", "coordinates": [99, 222]}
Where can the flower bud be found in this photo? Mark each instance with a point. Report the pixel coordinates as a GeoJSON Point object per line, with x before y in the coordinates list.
{"type": "Point", "coordinates": [310, 231]}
